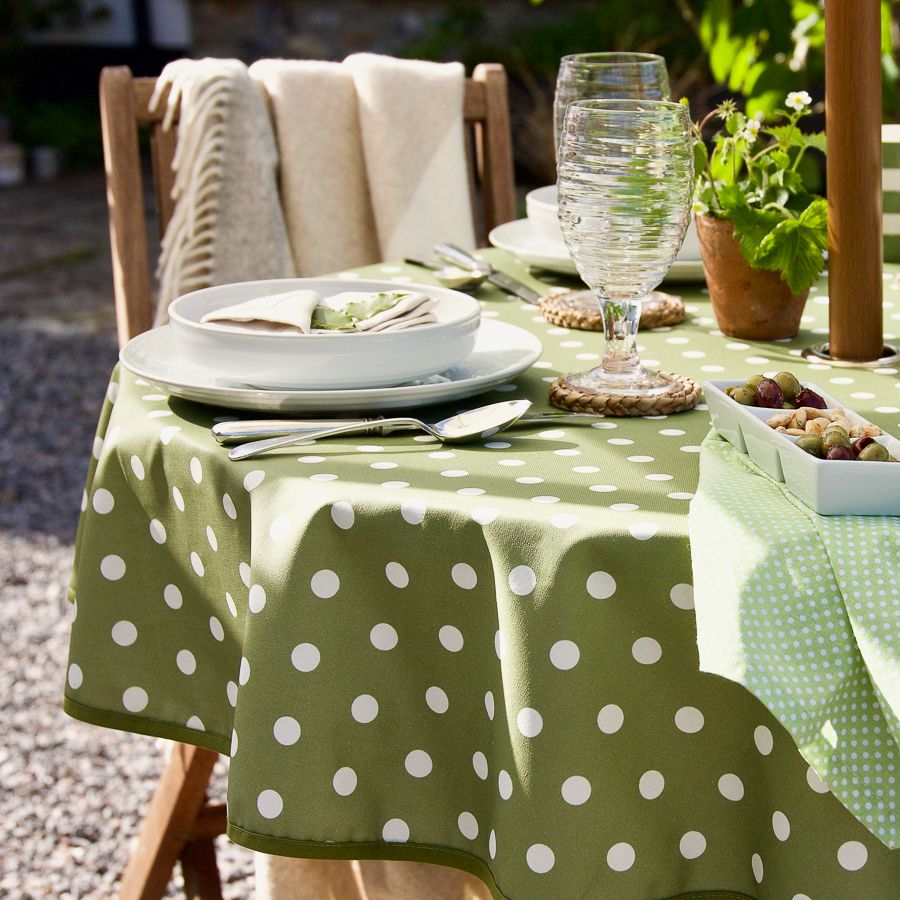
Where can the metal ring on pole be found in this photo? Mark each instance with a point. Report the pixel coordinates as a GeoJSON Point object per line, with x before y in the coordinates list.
{"type": "Point", "coordinates": [890, 356]}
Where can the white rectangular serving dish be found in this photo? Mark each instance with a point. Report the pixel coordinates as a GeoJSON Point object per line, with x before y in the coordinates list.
{"type": "Point", "coordinates": [830, 487]}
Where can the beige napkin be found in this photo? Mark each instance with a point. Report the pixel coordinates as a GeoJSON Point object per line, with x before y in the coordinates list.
{"type": "Point", "coordinates": [288, 311]}
{"type": "Point", "coordinates": [292, 312]}
{"type": "Point", "coordinates": [227, 225]}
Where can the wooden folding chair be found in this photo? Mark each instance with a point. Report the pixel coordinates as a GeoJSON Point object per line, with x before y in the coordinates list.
{"type": "Point", "coordinates": [180, 823]}
{"type": "Point", "coordinates": [124, 110]}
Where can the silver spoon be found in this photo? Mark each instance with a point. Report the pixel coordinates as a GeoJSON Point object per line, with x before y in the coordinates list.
{"type": "Point", "coordinates": [451, 276]}
{"type": "Point", "coordinates": [466, 426]}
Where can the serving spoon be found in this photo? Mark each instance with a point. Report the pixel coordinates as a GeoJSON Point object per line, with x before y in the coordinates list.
{"type": "Point", "coordinates": [455, 277]}
{"type": "Point", "coordinates": [472, 425]}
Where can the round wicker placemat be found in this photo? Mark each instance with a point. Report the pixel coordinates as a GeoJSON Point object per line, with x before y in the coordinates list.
{"type": "Point", "coordinates": [579, 309]}
{"type": "Point", "coordinates": [684, 394]}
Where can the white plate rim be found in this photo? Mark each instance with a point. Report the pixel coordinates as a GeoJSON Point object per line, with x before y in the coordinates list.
{"type": "Point", "coordinates": [337, 399]}
{"type": "Point", "coordinates": [505, 237]}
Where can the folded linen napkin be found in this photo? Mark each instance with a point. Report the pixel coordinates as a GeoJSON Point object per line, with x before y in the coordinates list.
{"type": "Point", "coordinates": [306, 312]}
{"type": "Point", "coordinates": [384, 311]}
{"type": "Point", "coordinates": [288, 311]}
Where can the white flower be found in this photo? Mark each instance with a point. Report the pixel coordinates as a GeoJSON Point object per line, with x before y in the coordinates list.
{"type": "Point", "coordinates": [748, 134]}
{"type": "Point", "coordinates": [753, 126]}
{"type": "Point", "coordinates": [798, 100]}
{"type": "Point", "coordinates": [699, 208]}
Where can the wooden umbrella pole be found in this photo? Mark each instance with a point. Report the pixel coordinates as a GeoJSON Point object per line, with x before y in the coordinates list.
{"type": "Point", "coordinates": [853, 122]}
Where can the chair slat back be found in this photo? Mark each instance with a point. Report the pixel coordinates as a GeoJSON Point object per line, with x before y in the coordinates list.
{"type": "Point", "coordinates": [124, 110]}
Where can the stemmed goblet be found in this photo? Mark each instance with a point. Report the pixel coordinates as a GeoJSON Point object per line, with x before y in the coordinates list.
{"type": "Point", "coordinates": [607, 76]}
{"type": "Point", "coordinates": [625, 180]}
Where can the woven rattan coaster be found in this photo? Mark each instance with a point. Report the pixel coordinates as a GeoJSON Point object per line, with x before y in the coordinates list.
{"type": "Point", "coordinates": [684, 394]}
{"type": "Point", "coordinates": [579, 309]}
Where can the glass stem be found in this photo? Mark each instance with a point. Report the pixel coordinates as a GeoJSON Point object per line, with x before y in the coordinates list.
{"type": "Point", "coordinates": [620, 325]}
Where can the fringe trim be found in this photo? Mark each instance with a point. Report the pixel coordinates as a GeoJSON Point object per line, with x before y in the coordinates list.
{"type": "Point", "coordinates": [188, 247]}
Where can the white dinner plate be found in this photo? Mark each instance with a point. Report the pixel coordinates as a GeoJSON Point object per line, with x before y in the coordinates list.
{"type": "Point", "coordinates": [501, 352]}
{"type": "Point", "coordinates": [520, 238]}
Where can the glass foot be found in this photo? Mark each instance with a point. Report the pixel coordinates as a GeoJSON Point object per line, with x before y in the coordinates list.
{"type": "Point", "coordinates": [639, 382]}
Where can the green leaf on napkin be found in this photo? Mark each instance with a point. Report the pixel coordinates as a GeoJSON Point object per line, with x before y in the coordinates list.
{"type": "Point", "coordinates": [332, 320]}
{"type": "Point", "coordinates": [343, 315]}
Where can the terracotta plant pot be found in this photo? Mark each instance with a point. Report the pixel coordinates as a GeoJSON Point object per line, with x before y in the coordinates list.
{"type": "Point", "coordinates": [748, 303]}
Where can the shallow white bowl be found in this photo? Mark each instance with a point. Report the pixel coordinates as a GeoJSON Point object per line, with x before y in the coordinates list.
{"type": "Point", "coordinates": [542, 210]}
{"type": "Point", "coordinates": [830, 487]}
{"type": "Point", "coordinates": [322, 361]}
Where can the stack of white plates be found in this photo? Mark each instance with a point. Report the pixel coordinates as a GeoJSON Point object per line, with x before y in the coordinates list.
{"type": "Point", "coordinates": [456, 356]}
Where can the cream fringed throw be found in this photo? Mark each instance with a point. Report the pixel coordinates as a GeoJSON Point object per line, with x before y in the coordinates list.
{"type": "Point", "coordinates": [227, 225]}
{"type": "Point", "coordinates": [369, 154]}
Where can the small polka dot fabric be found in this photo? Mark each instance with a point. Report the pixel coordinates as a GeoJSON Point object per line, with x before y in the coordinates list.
{"type": "Point", "coordinates": [480, 655]}
{"type": "Point", "coordinates": [804, 615]}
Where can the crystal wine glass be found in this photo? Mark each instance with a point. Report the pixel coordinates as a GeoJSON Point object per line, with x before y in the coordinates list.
{"type": "Point", "coordinates": [625, 183]}
{"type": "Point", "coordinates": [612, 76]}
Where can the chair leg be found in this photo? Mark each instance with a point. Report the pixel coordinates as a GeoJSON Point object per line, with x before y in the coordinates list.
{"type": "Point", "coordinates": [175, 807]}
{"type": "Point", "coordinates": [201, 875]}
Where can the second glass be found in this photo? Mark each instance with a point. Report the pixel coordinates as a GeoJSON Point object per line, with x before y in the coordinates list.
{"type": "Point", "coordinates": [607, 76]}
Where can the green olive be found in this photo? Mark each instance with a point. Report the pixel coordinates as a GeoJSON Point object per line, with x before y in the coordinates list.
{"type": "Point", "coordinates": [874, 453]}
{"type": "Point", "coordinates": [788, 383]}
{"type": "Point", "coordinates": [744, 395]}
{"type": "Point", "coordinates": [730, 389]}
{"type": "Point", "coordinates": [835, 437]}
{"type": "Point", "coordinates": [811, 444]}
{"type": "Point", "coordinates": [787, 405]}
{"type": "Point", "coordinates": [753, 381]}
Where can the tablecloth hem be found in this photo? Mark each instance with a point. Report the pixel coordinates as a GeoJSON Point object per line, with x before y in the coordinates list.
{"type": "Point", "coordinates": [411, 852]}
{"type": "Point", "coordinates": [126, 722]}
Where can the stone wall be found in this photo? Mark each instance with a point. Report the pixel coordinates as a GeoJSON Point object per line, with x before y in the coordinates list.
{"type": "Point", "coordinates": [309, 29]}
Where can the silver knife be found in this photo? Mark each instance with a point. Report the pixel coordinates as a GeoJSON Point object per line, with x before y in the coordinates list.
{"type": "Point", "coordinates": [454, 254]}
{"type": "Point", "coordinates": [248, 429]}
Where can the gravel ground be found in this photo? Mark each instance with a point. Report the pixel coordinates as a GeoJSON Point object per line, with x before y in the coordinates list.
{"type": "Point", "coordinates": [72, 794]}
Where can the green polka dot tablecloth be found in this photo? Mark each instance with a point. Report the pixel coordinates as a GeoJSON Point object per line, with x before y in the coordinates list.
{"type": "Point", "coordinates": [806, 616]}
{"type": "Point", "coordinates": [481, 656]}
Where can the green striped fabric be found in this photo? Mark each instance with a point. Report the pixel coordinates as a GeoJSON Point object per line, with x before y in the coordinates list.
{"type": "Point", "coordinates": [890, 156]}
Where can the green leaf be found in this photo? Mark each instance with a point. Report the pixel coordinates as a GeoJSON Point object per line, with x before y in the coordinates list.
{"type": "Point", "coordinates": [701, 158]}
{"type": "Point", "coordinates": [794, 247]}
{"type": "Point", "coordinates": [715, 20]}
{"type": "Point", "coordinates": [791, 136]}
{"type": "Point", "coordinates": [743, 60]}
{"type": "Point", "coordinates": [751, 227]}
